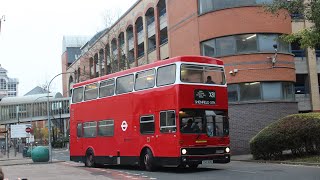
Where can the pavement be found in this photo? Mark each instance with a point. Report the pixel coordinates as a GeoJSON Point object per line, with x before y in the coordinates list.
{"type": "Point", "coordinates": [16, 167]}
{"type": "Point", "coordinates": [249, 158]}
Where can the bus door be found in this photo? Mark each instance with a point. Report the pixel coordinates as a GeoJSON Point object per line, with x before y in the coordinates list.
{"type": "Point", "coordinates": [128, 135]}
{"type": "Point", "coordinates": [166, 145]}
{"type": "Point", "coordinates": [78, 145]}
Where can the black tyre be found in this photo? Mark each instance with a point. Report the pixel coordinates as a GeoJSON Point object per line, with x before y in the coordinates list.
{"type": "Point", "coordinates": [148, 161]}
{"type": "Point", "coordinates": [89, 162]}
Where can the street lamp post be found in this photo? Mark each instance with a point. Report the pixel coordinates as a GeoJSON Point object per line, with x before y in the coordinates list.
{"type": "Point", "coordinates": [3, 17]}
{"type": "Point", "coordinates": [48, 113]}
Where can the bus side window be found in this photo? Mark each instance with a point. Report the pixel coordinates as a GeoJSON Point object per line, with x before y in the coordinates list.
{"type": "Point", "coordinates": [77, 95]}
{"type": "Point", "coordinates": [91, 91]}
{"type": "Point", "coordinates": [79, 130]}
{"type": "Point", "coordinates": [124, 84]}
{"type": "Point", "coordinates": [107, 88]}
{"type": "Point", "coordinates": [147, 124]}
{"type": "Point", "coordinates": [168, 122]}
{"type": "Point", "coordinates": [144, 80]}
{"type": "Point", "coordinates": [106, 128]}
{"type": "Point", "coordinates": [166, 75]}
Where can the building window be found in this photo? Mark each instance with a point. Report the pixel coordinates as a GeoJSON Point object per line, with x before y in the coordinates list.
{"type": "Point", "coordinates": [245, 43]}
{"type": "Point", "coordinates": [288, 91]}
{"type": "Point", "coordinates": [163, 36]}
{"type": "Point", "coordinates": [302, 84]}
{"type": "Point", "coordinates": [208, 48]}
{"type": "Point", "coordinates": [226, 46]}
{"type": "Point", "coordinates": [250, 91]}
{"type": "Point", "coordinates": [166, 75]}
{"type": "Point", "coordinates": [124, 84]}
{"type": "Point", "coordinates": [3, 84]}
{"type": "Point", "coordinates": [213, 5]}
{"type": "Point", "coordinates": [90, 129]}
{"type": "Point", "coordinates": [261, 91]}
{"type": "Point", "coordinates": [233, 92]}
{"type": "Point", "coordinates": [271, 90]}
{"type": "Point", "coordinates": [106, 128]}
{"type": "Point", "coordinates": [147, 125]}
{"type": "Point", "coordinates": [266, 42]}
{"type": "Point", "coordinates": [168, 122]}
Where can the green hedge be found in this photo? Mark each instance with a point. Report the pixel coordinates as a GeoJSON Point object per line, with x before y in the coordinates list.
{"type": "Point", "coordinates": [299, 133]}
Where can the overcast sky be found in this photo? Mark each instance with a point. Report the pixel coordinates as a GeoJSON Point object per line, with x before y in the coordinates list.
{"type": "Point", "coordinates": [31, 36]}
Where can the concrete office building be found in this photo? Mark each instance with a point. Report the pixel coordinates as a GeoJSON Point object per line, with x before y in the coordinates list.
{"type": "Point", "coordinates": [8, 86]}
{"type": "Point", "coordinates": [241, 33]}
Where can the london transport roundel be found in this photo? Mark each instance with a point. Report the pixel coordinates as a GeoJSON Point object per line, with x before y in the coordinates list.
{"type": "Point", "coordinates": [124, 125]}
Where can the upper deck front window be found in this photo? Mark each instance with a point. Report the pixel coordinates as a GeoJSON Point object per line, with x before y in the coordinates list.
{"type": "Point", "coordinates": [202, 74]}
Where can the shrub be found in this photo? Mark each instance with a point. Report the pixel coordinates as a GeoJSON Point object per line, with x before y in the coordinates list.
{"type": "Point", "coordinates": [299, 133]}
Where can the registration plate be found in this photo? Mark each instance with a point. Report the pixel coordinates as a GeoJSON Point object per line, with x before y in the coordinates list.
{"type": "Point", "coordinates": [207, 162]}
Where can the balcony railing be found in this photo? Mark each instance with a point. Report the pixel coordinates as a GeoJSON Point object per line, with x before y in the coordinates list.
{"type": "Point", "coordinates": [302, 53]}
{"type": "Point", "coordinates": [130, 35]}
{"type": "Point", "coordinates": [139, 29]}
{"type": "Point", "coordinates": [162, 12]}
{"type": "Point", "coordinates": [150, 21]}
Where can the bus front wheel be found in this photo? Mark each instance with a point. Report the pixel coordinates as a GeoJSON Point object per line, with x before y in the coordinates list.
{"type": "Point", "coordinates": [89, 162]}
{"type": "Point", "coordinates": [148, 160]}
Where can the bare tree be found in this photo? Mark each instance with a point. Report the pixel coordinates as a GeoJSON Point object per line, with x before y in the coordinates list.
{"type": "Point", "coordinates": [107, 54]}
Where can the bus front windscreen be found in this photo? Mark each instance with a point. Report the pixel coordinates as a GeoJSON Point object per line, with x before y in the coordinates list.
{"type": "Point", "coordinates": [202, 74]}
{"type": "Point", "coordinates": [195, 121]}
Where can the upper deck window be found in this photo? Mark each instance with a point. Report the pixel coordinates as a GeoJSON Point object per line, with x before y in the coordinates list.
{"type": "Point", "coordinates": [91, 91]}
{"type": "Point", "coordinates": [77, 95]}
{"type": "Point", "coordinates": [166, 75]}
{"type": "Point", "coordinates": [144, 80]}
{"type": "Point", "coordinates": [107, 88]}
{"type": "Point", "coordinates": [202, 74]}
{"type": "Point", "coordinates": [124, 84]}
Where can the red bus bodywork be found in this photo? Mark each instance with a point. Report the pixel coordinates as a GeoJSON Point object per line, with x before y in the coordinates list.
{"type": "Point", "coordinates": [129, 146]}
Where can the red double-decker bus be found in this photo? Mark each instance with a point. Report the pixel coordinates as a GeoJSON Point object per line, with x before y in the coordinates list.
{"type": "Point", "coordinates": [171, 112]}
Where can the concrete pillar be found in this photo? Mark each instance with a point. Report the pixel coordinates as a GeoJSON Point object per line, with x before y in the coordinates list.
{"type": "Point", "coordinates": [313, 79]}
{"type": "Point", "coordinates": [94, 68]}
{"type": "Point", "coordinates": [135, 44]}
{"type": "Point", "coordinates": [157, 30]}
{"type": "Point", "coordinates": [105, 60]}
{"type": "Point", "coordinates": [145, 32]}
{"type": "Point", "coordinates": [313, 75]}
{"type": "Point", "coordinates": [126, 50]}
{"type": "Point", "coordinates": [100, 59]}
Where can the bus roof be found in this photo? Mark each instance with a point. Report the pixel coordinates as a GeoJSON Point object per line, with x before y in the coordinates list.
{"type": "Point", "coordinates": [199, 59]}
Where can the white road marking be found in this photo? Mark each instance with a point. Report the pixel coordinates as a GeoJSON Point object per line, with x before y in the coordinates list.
{"type": "Point", "coordinates": [250, 172]}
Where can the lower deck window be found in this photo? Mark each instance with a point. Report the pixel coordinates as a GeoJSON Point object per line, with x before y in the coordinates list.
{"type": "Point", "coordinates": [90, 129]}
{"type": "Point", "coordinates": [106, 128]}
{"type": "Point", "coordinates": [168, 121]}
{"type": "Point", "coordinates": [147, 125]}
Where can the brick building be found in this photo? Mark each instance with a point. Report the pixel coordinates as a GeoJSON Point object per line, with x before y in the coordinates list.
{"type": "Point", "coordinates": [260, 87]}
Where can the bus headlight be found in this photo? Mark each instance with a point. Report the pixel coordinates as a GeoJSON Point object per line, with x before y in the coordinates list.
{"type": "Point", "coordinates": [227, 150]}
{"type": "Point", "coordinates": [184, 151]}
